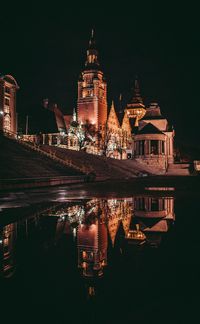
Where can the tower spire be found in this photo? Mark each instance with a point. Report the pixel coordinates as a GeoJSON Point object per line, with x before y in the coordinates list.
{"type": "Point", "coordinates": [92, 53]}
{"type": "Point", "coordinates": [74, 115]}
{"type": "Point", "coordinates": [136, 92]}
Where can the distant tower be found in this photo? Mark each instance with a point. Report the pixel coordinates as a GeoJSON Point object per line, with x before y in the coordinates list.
{"type": "Point", "coordinates": [92, 90]}
{"type": "Point", "coordinates": [135, 108]}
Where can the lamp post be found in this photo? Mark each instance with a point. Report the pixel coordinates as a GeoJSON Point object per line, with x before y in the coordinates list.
{"type": "Point", "coordinates": [26, 124]}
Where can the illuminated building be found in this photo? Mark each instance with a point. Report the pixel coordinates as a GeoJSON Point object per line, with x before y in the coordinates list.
{"type": "Point", "coordinates": [8, 115]}
{"type": "Point", "coordinates": [92, 90]}
{"type": "Point", "coordinates": [137, 132]}
{"type": "Point", "coordinates": [153, 141]}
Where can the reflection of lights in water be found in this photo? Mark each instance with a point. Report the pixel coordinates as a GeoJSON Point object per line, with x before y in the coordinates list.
{"type": "Point", "coordinates": [74, 232]}
{"type": "Point", "coordinates": [160, 188]}
{"type": "Point", "coordinates": [91, 291]}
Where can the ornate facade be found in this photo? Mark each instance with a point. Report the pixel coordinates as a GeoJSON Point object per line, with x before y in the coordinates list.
{"type": "Point", "coordinates": [8, 115]}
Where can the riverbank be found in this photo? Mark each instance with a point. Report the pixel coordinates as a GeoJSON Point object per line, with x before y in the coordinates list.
{"type": "Point", "coordinates": [140, 182]}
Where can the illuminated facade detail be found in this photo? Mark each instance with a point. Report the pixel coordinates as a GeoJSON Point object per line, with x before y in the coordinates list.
{"type": "Point", "coordinates": [154, 207]}
{"type": "Point", "coordinates": [153, 142]}
{"type": "Point", "coordinates": [135, 108]}
{"type": "Point", "coordinates": [92, 90]}
{"type": "Point", "coordinates": [8, 115]}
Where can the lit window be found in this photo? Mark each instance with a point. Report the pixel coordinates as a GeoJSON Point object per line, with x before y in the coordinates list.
{"type": "Point", "coordinates": [6, 110]}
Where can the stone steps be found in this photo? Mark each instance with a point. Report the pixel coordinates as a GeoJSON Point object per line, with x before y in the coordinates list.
{"type": "Point", "coordinates": [181, 169]}
{"type": "Point", "coordinates": [20, 161]}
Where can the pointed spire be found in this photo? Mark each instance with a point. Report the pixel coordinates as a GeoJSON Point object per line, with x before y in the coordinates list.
{"type": "Point", "coordinates": [120, 104]}
{"type": "Point", "coordinates": [74, 115]}
{"type": "Point", "coordinates": [92, 53]}
{"type": "Point", "coordinates": [136, 92]}
{"type": "Point", "coordinates": [92, 40]}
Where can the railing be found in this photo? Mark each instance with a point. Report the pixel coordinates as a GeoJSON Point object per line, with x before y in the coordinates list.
{"type": "Point", "coordinates": [52, 155]}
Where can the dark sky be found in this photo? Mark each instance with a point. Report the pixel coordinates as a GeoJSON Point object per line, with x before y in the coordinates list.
{"type": "Point", "coordinates": [44, 48]}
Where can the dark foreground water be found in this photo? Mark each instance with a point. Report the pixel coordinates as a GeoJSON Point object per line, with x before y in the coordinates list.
{"type": "Point", "coordinates": [104, 260]}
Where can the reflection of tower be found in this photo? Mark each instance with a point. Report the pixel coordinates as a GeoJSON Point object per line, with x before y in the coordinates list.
{"type": "Point", "coordinates": [7, 245]}
{"type": "Point", "coordinates": [92, 248]}
{"type": "Point", "coordinates": [92, 92]}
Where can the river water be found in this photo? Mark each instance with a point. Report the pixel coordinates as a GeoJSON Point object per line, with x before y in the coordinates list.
{"type": "Point", "coordinates": [106, 259]}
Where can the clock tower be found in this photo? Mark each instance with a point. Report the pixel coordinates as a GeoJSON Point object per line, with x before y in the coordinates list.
{"type": "Point", "coordinates": [92, 90]}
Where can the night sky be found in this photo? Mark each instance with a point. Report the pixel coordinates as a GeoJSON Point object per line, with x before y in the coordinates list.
{"type": "Point", "coordinates": [44, 48]}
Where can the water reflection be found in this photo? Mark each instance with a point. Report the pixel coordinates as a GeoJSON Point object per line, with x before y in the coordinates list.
{"type": "Point", "coordinates": [96, 227]}
{"type": "Point", "coordinates": [7, 249]}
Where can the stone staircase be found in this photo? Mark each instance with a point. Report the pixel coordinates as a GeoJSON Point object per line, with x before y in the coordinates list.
{"type": "Point", "coordinates": [104, 168]}
{"type": "Point", "coordinates": [20, 160]}
{"type": "Point", "coordinates": [178, 169]}
{"type": "Point", "coordinates": [101, 166]}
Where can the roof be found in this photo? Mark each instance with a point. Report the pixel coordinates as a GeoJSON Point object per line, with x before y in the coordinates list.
{"type": "Point", "coordinates": [10, 79]}
{"type": "Point", "coordinates": [149, 129]}
{"type": "Point", "coordinates": [146, 117]}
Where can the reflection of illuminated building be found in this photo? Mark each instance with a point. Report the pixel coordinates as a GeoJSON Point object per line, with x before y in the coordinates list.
{"type": "Point", "coordinates": [154, 207]}
{"type": "Point", "coordinates": [92, 248]}
{"type": "Point", "coordinates": [118, 211]}
{"type": "Point", "coordinates": [136, 235]}
{"type": "Point", "coordinates": [154, 215]}
{"type": "Point", "coordinates": [7, 244]}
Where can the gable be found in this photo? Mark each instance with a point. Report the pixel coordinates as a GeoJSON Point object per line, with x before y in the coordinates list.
{"type": "Point", "coordinates": [113, 121]}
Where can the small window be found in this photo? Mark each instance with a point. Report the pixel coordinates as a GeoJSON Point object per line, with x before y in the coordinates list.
{"type": "Point", "coordinates": [7, 90]}
{"type": "Point", "coordinates": [7, 102]}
